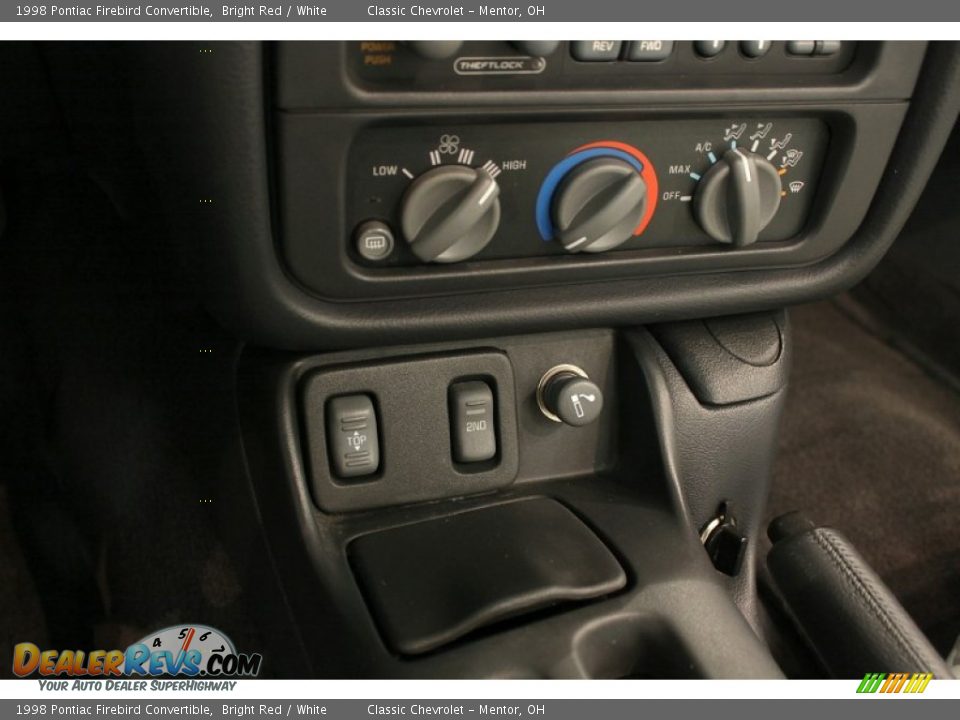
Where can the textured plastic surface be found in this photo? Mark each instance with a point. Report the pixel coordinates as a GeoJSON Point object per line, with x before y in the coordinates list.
{"type": "Point", "coordinates": [540, 160]}
{"type": "Point", "coordinates": [712, 453]}
{"type": "Point", "coordinates": [233, 245]}
{"type": "Point", "coordinates": [417, 464]}
{"type": "Point", "coordinates": [407, 76]}
{"type": "Point", "coordinates": [432, 582]}
{"type": "Point", "coordinates": [730, 359]}
{"type": "Point", "coordinates": [675, 618]}
{"type": "Point", "coordinates": [415, 437]}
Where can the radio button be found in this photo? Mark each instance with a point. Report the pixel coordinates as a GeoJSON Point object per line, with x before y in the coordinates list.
{"type": "Point", "coordinates": [709, 48]}
{"type": "Point", "coordinates": [595, 50]}
{"type": "Point", "coordinates": [649, 50]}
{"type": "Point", "coordinates": [801, 47]}
{"type": "Point", "coordinates": [755, 48]}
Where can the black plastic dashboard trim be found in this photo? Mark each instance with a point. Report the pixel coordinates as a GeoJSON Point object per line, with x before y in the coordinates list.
{"type": "Point", "coordinates": [314, 239]}
{"type": "Point", "coordinates": [250, 292]}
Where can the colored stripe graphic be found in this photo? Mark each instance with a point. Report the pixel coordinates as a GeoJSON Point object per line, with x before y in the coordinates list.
{"type": "Point", "coordinates": [894, 683]}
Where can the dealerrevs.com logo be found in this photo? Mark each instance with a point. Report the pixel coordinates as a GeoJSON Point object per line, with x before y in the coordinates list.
{"type": "Point", "coordinates": [181, 650]}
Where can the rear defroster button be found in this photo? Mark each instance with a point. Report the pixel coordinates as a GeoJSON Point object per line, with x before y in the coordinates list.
{"type": "Point", "coordinates": [374, 240]}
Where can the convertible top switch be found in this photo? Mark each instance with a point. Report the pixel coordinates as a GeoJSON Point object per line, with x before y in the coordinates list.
{"type": "Point", "coordinates": [352, 436]}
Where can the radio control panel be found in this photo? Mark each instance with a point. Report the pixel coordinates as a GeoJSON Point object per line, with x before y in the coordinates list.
{"type": "Point", "coordinates": [488, 65]}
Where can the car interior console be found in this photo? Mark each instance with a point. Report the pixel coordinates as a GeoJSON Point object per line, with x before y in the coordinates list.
{"type": "Point", "coordinates": [515, 347]}
{"type": "Point", "coordinates": [598, 192]}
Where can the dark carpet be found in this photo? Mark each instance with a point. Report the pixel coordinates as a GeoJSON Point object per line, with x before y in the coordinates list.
{"type": "Point", "coordinates": [21, 618]}
{"type": "Point", "coordinates": [870, 445]}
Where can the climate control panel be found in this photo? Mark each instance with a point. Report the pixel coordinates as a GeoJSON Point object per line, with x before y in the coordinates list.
{"type": "Point", "coordinates": [451, 194]}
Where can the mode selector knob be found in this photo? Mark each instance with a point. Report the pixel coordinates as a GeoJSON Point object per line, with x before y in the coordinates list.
{"type": "Point", "coordinates": [598, 205]}
{"type": "Point", "coordinates": [450, 213]}
{"type": "Point", "coordinates": [737, 197]}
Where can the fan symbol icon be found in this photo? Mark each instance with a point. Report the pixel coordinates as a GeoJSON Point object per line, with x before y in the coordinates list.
{"type": "Point", "coordinates": [449, 144]}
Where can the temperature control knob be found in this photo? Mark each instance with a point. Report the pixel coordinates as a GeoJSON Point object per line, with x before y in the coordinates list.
{"type": "Point", "coordinates": [450, 213]}
{"type": "Point", "coordinates": [599, 205]}
{"type": "Point", "coordinates": [737, 197]}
